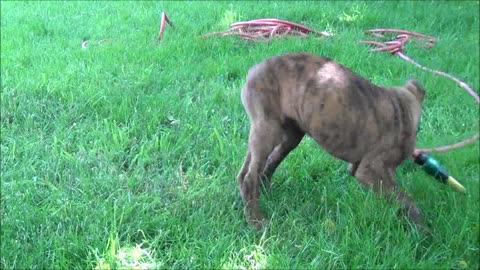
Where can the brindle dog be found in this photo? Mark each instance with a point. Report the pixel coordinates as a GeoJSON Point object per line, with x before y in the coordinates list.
{"type": "Point", "coordinates": [371, 127]}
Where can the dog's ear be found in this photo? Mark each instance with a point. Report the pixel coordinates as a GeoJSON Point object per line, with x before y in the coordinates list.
{"type": "Point", "coordinates": [416, 89]}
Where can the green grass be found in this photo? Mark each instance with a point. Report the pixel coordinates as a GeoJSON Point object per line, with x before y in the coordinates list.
{"type": "Point", "coordinates": [135, 143]}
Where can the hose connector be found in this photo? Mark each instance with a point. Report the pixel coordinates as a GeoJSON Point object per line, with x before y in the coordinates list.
{"type": "Point", "coordinates": [433, 168]}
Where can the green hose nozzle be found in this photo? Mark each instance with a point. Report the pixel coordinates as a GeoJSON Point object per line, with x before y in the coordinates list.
{"type": "Point", "coordinates": [432, 167]}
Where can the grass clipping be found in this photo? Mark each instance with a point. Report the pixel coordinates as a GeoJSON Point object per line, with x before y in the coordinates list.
{"type": "Point", "coordinates": [128, 258]}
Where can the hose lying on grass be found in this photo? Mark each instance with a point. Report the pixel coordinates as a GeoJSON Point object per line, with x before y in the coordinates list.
{"type": "Point", "coordinates": [421, 156]}
{"type": "Point", "coordinates": [262, 29]}
{"type": "Point", "coordinates": [163, 20]}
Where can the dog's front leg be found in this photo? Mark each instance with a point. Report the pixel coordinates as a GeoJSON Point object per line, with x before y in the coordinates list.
{"type": "Point", "coordinates": [375, 173]}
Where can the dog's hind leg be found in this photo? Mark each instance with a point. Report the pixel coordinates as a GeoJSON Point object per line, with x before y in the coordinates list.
{"type": "Point", "coordinates": [292, 136]}
{"type": "Point", "coordinates": [264, 136]}
{"type": "Point", "coordinates": [243, 171]}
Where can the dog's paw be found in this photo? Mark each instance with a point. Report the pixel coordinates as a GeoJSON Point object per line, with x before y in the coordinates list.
{"type": "Point", "coordinates": [415, 217]}
{"type": "Point", "coordinates": [257, 220]}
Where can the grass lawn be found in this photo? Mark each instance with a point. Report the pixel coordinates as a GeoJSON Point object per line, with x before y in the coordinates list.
{"type": "Point", "coordinates": [126, 152]}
